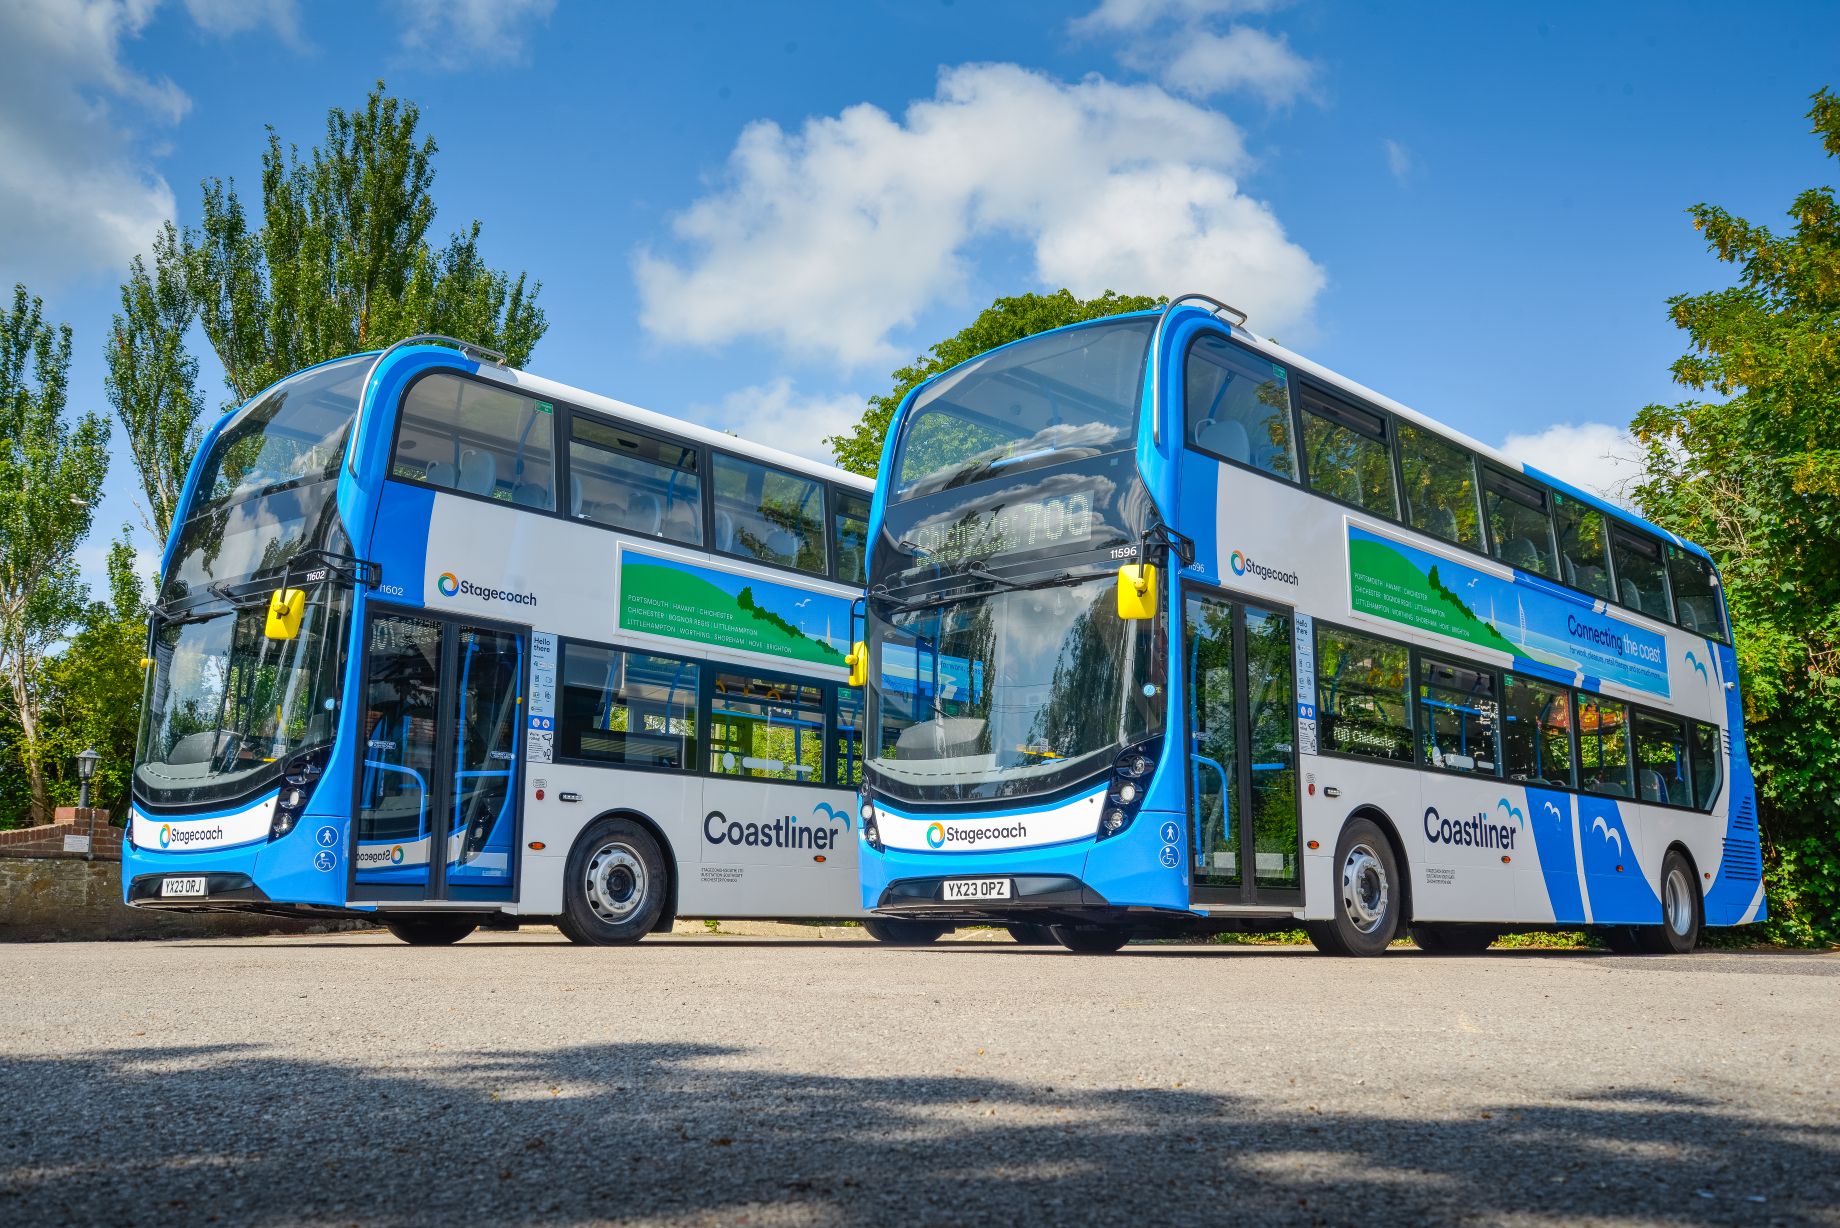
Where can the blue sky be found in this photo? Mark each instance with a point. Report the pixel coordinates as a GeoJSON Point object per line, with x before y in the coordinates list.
{"type": "Point", "coordinates": [749, 214]}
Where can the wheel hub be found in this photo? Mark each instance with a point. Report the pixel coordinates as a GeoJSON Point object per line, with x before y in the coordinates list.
{"type": "Point", "coordinates": [1676, 901]}
{"type": "Point", "coordinates": [1365, 891]}
{"type": "Point", "coordinates": [615, 882]}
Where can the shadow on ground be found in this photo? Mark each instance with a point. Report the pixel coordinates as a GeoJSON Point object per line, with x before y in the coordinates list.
{"type": "Point", "coordinates": [698, 1135]}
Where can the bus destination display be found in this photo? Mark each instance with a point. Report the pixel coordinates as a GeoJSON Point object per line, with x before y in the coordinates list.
{"type": "Point", "coordinates": [1037, 524]}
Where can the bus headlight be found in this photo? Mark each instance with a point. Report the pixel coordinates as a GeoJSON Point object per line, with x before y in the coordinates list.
{"type": "Point", "coordinates": [1130, 778]}
{"type": "Point", "coordinates": [871, 834]}
{"type": "Point", "coordinates": [298, 776]}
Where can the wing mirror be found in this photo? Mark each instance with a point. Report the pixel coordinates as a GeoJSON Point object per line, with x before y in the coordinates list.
{"type": "Point", "coordinates": [285, 606]}
{"type": "Point", "coordinates": [1137, 592]}
{"type": "Point", "coordinates": [858, 661]}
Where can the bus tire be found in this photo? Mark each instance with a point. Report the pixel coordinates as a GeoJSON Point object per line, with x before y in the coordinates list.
{"type": "Point", "coordinates": [1091, 939]}
{"type": "Point", "coordinates": [1434, 939]}
{"type": "Point", "coordinates": [1368, 891]}
{"type": "Point", "coordinates": [431, 929]}
{"type": "Point", "coordinates": [1682, 911]}
{"type": "Point", "coordinates": [890, 932]}
{"type": "Point", "coordinates": [1027, 934]}
{"type": "Point", "coordinates": [616, 885]}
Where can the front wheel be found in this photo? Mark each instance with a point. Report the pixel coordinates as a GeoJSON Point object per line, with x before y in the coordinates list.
{"type": "Point", "coordinates": [1091, 939]}
{"type": "Point", "coordinates": [1027, 934]}
{"type": "Point", "coordinates": [903, 933]}
{"type": "Point", "coordinates": [615, 887]}
{"type": "Point", "coordinates": [1367, 892]}
{"type": "Point", "coordinates": [432, 929]}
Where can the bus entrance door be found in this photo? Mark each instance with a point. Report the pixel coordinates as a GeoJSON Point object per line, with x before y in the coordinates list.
{"type": "Point", "coordinates": [1242, 752]}
{"type": "Point", "coordinates": [439, 793]}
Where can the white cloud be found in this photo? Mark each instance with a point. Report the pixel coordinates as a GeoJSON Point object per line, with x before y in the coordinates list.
{"type": "Point", "coordinates": [1179, 42]}
{"type": "Point", "coordinates": [778, 415]}
{"type": "Point", "coordinates": [227, 17]}
{"type": "Point", "coordinates": [827, 239]}
{"type": "Point", "coordinates": [76, 192]}
{"type": "Point", "coordinates": [467, 33]}
{"type": "Point", "coordinates": [1593, 456]}
{"type": "Point", "coordinates": [1398, 159]}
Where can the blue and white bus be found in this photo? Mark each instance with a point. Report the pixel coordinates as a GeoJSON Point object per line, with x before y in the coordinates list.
{"type": "Point", "coordinates": [1171, 630]}
{"type": "Point", "coordinates": [453, 643]}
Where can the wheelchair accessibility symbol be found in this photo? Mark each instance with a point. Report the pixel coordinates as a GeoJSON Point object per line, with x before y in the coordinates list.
{"type": "Point", "coordinates": [1169, 856]}
{"type": "Point", "coordinates": [324, 860]}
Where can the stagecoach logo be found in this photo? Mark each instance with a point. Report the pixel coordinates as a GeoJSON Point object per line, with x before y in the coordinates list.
{"type": "Point", "coordinates": [936, 835]}
{"type": "Point", "coordinates": [1242, 565]}
{"type": "Point", "coordinates": [453, 586]}
{"type": "Point", "coordinates": [170, 835]}
{"type": "Point", "coordinates": [377, 857]}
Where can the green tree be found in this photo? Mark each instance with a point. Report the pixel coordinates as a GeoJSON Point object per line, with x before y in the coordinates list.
{"type": "Point", "coordinates": [50, 473]}
{"type": "Point", "coordinates": [1755, 478]}
{"type": "Point", "coordinates": [92, 690]}
{"type": "Point", "coordinates": [1004, 321]}
{"type": "Point", "coordinates": [153, 382]}
{"type": "Point", "coordinates": [341, 261]}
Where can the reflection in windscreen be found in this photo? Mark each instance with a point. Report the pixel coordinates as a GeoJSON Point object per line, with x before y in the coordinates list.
{"type": "Point", "coordinates": [1012, 693]}
{"type": "Point", "coordinates": [1064, 394]}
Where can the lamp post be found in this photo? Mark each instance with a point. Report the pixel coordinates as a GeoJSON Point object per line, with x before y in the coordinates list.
{"type": "Point", "coordinates": [86, 768]}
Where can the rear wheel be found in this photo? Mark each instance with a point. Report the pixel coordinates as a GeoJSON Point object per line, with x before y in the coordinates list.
{"type": "Point", "coordinates": [1366, 895]}
{"type": "Point", "coordinates": [1434, 939]}
{"type": "Point", "coordinates": [615, 886]}
{"type": "Point", "coordinates": [1091, 939]}
{"type": "Point", "coordinates": [1622, 939]}
{"type": "Point", "coordinates": [1681, 917]}
{"type": "Point", "coordinates": [903, 933]}
{"type": "Point", "coordinates": [432, 929]}
{"type": "Point", "coordinates": [1030, 935]}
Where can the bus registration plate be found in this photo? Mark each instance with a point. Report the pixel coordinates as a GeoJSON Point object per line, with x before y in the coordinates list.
{"type": "Point", "coordinates": [977, 889]}
{"type": "Point", "coordinates": [182, 886]}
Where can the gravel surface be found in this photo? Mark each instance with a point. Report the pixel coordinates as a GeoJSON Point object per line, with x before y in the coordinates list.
{"type": "Point", "coordinates": [712, 1080]}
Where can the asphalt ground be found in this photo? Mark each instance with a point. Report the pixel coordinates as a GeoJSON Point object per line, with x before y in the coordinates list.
{"type": "Point", "coordinates": [709, 1080]}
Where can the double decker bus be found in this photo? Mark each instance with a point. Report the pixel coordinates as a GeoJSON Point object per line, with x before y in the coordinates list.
{"type": "Point", "coordinates": [453, 643]}
{"type": "Point", "coordinates": [1171, 630]}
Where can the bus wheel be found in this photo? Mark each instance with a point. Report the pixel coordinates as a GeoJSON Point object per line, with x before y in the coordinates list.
{"type": "Point", "coordinates": [1366, 895]}
{"type": "Point", "coordinates": [1678, 932]}
{"type": "Point", "coordinates": [903, 933]}
{"type": "Point", "coordinates": [431, 929]}
{"type": "Point", "coordinates": [1091, 939]}
{"type": "Point", "coordinates": [1028, 935]}
{"type": "Point", "coordinates": [1453, 939]}
{"type": "Point", "coordinates": [615, 887]}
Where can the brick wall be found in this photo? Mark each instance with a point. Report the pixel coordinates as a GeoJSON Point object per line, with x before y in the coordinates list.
{"type": "Point", "coordinates": [49, 899]}
{"type": "Point", "coordinates": [48, 840]}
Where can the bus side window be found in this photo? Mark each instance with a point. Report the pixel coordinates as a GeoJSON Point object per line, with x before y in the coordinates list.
{"type": "Point", "coordinates": [768, 514]}
{"type": "Point", "coordinates": [1440, 487]}
{"type": "Point", "coordinates": [1583, 563]}
{"type": "Point", "coordinates": [1458, 717]}
{"type": "Point", "coordinates": [633, 482]}
{"type": "Point", "coordinates": [1362, 696]}
{"type": "Point", "coordinates": [1536, 736]}
{"type": "Point", "coordinates": [1239, 406]}
{"type": "Point", "coordinates": [1603, 746]}
{"type": "Point", "coordinates": [1708, 764]}
{"type": "Point", "coordinates": [1661, 760]}
{"type": "Point", "coordinates": [846, 765]}
{"type": "Point", "coordinates": [771, 728]}
{"type": "Point", "coordinates": [1641, 578]}
{"type": "Point", "coordinates": [627, 708]}
{"type": "Point", "coordinates": [1520, 531]}
{"type": "Point", "coordinates": [479, 439]}
{"type": "Point", "coordinates": [1696, 594]}
{"type": "Point", "coordinates": [1346, 456]}
{"type": "Point", "coordinates": [849, 535]}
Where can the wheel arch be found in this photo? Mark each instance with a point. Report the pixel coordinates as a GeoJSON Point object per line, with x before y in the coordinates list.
{"type": "Point", "coordinates": [667, 916]}
{"type": "Point", "coordinates": [1699, 881]}
{"type": "Point", "coordinates": [1379, 818]}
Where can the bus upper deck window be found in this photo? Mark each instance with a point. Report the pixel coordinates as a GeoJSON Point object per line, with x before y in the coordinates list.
{"type": "Point", "coordinates": [1239, 406]}
{"type": "Point", "coordinates": [1520, 531]}
{"type": "Point", "coordinates": [1583, 561]}
{"type": "Point", "coordinates": [634, 482]}
{"type": "Point", "coordinates": [1696, 593]}
{"type": "Point", "coordinates": [1641, 577]}
{"type": "Point", "coordinates": [477, 438]}
{"type": "Point", "coordinates": [1346, 456]}
{"type": "Point", "coordinates": [1440, 487]}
